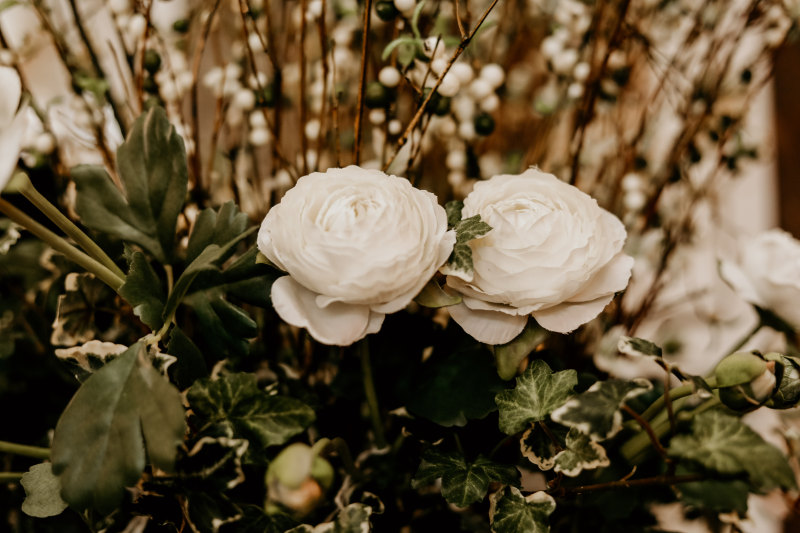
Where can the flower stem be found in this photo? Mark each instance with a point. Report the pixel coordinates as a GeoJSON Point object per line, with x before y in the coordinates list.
{"type": "Point", "coordinates": [67, 226]}
{"type": "Point", "coordinates": [22, 449]}
{"type": "Point", "coordinates": [59, 244]}
{"type": "Point", "coordinates": [371, 394]}
{"type": "Point", "coordinates": [10, 477]}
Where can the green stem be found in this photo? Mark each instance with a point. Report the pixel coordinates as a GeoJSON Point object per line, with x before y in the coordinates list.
{"type": "Point", "coordinates": [61, 245]}
{"type": "Point", "coordinates": [22, 449]}
{"type": "Point", "coordinates": [371, 394]}
{"type": "Point", "coordinates": [10, 477]}
{"type": "Point", "coordinates": [674, 394]}
{"type": "Point", "coordinates": [53, 213]}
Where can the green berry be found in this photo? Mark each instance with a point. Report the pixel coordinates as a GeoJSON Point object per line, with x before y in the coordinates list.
{"type": "Point", "coordinates": [181, 25]}
{"type": "Point", "coordinates": [386, 10]}
{"type": "Point", "coordinates": [484, 124]}
{"type": "Point", "coordinates": [152, 61]}
{"type": "Point", "coordinates": [376, 95]}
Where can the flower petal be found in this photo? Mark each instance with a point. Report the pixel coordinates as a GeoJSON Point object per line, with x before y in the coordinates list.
{"type": "Point", "coordinates": [613, 277]}
{"type": "Point", "coordinates": [10, 146]}
{"type": "Point", "coordinates": [12, 90]}
{"type": "Point", "coordinates": [568, 316]}
{"type": "Point", "coordinates": [490, 327]}
{"type": "Point", "coordinates": [338, 323]}
{"type": "Point", "coordinates": [739, 282]}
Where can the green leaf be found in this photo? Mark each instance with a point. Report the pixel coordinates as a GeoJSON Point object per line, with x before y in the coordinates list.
{"type": "Point", "coordinates": [471, 228]}
{"type": "Point", "coordinates": [537, 393]}
{"type": "Point", "coordinates": [433, 296]}
{"type": "Point", "coordinates": [352, 519]}
{"type": "Point", "coordinates": [80, 308]}
{"type": "Point", "coordinates": [217, 461]}
{"type": "Point", "coordinates": [455, 387]}
{"type": "Point", "coordinates": [406, 42]}
{"type": "Point", "coordinates": [142, 289]}
{"type": "Point", "coordinates": [238, 408]}
{"type": "Point", "coordinates": [596, 412]}
{"type": "Point", "coordinates": [224, 327]}
{"type": "Point", "coordinates": [510, 512]}
{"type": "Point", "coordinates": [540, 448]}
{"type": "Point", "coordinates": [508, 356]}
{"type": "Point", "coordinates": [580, 454]}
{"type": "Point", "coordinates": [724, 444]}
{"type": "Point", "coordinates": [721, 496]}
{"type": "Point", "coordinates": [42, 492]}
{"type": "Point", "coordinates": [215, 227]}
{"type": "Point", "coordinates": [85, 359]}
{"type": "Point", "coordinates": [152, 168]}
{"type": "Point", "coordinates": [463, 483]}
{"type": "Point", "coordinates": [637, 347]}
{"type": "Point", "coordinates": [98, 448]}
{"type": "Point", "coordinates": [453, 209]}
{"type": "Point", "coordinates": [460, 261]}
{"type": "Point", "coordinates": [190, 365]}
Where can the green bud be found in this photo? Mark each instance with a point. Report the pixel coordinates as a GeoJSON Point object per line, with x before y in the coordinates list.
{"type": "Point", "coordinates": [738, 368]}
{"type": "Point", "coordinates": [181, 25]}
{"type": "Point", "coordinates": [152, 61]}
{"type": "Point", "coordinates": [297, 479]}
{"type": "Point", "coordinates": [788, 377]}
{"type": "Point", "coordinates": [746, 380]}
{"type": "Point", "coordinates": [484, 124]}
{"type": "Point", "coordinates": [386, 10]}
{"type": "Point", "coordinates": [376, 95]}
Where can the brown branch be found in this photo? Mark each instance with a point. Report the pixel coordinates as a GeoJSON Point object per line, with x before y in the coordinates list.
{"type": "Point", "coordinates": [362, 83]}
{"type": "Point", "coordinates": [323, 46]}
{"type": "Point", "coordinates": [302, 128]}
{"type": "Point", "coordinates": [415, 120]}
{"type": "Point", "coordinates": [628, 483]}
{"type": "Point", "coordinates": [650, 433]}
{"type": "Point", "coordinates": [461, 31]}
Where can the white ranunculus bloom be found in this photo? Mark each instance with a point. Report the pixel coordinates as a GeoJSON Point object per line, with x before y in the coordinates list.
{"type": "Point", "coordinates": [357, 244]}
{"type": "Point", "coordinates": [13, 123]}
{"type": "Point", "coordinates": [767, 273]}
{"type": "Point", "coordinates": [552, 253]}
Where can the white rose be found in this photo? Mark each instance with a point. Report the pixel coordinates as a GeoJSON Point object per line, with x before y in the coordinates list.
{"type": "Point", "coordinates": [357, 244]}
{"type": "Point", "coordinates": [767, 273]}
{"type": "Point", "coordinates": [12, 123]}
{"type": "Point", "coordinates": [552, 253]}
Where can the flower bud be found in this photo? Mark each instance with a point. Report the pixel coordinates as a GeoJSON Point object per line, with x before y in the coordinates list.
{"type": "Point", "coordinates": [787, 371]}
{"type": "Point", "coordinates": [745, 380]}
{"type": "Point", "coordinates": [297, 479]}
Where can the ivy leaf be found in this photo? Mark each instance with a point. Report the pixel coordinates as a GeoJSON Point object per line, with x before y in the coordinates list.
{"type": "Point", "coordinates": [81, 309]}
{"type": "Point", "coordinates": [724, 444]}
{"type": "Point", "coordinates": [352, 519]}
{"type": "Point", "coordinates": [208, 512]}
{"type": "Point", "coordinates": [215, 227]}
{"type": "Point", "coordinates": [86, 359]}
{"type": "Point", "coordinates": [463, 483]}
{"type": "Point", "coordinates": [453, 209]}
{"type": "Point", "coordinates": [721, 496]}
{"type": "Point", "coordinates": [433, 296]}
{"type": "Point", "coordinates": [540, 448]}
{"type": "Point", "coordinates": [152, 168]}
{"type": "Point", "coordinates": [98, 447]}
{"type": "Point", "coordinates": [142, 289]}
{"type": "Point", "coordinates": [42, 492]}
{"type": "Point", "coordinates": [510, 512]}
{"type": "Point", "coordinates": [581, 454]}
{"type": "Point", "coordinates": [215, 461]}
{"type": "Point", "coordinates": [223, 326]}
{"type": "Point", "coordinates": [596, 412]}
{"type": "Point", "coordinates": [537, 393]}
{"type": "Point", "coordinates": [508, 356]}
{"type": "Point", "coordinates": [236, 407]}
{"type": "Point", "coordinates": [460, 262]}
{"type": "Point", "coordinates": [637, 347]}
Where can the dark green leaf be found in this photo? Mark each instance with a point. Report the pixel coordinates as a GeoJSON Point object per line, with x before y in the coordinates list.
{"type": "Point", "coordinates": [453, 209]}
{"type": "Point", "coordinates": [208, 512]}
{"type": "Point", "coordinates": [724, 444]}
{"type": "Point", "coordinates": [540, 448]}
{"type": "Point", "coordinates": [215, 227]}
{"type": "Point", "coordinates": [580, 454]}
{"type": "Point", "coordinates": [190, 365]}
{"type": "Point", "coordinates": [460, 261]}
{"type": "Point", "coordinates": [463, 483]}
{"type": "Point", "coordinates": [98, 448]}
{"type": "Point", "coordinates": [471, 228]}
{"type": "Point", "coordinates": [635, 346]}
{"type": "Point", "coordinates": [538, 392]}
{"type": "Point", "coordinates": [216, 462]}
{"type": "Point", "coordinates": [152, 168]}
{"type": "Point", "coordinates": [42, 492]}
{"type": "Point", "coordinates": [142, 289]}
{"type": "Point", "coordinates": [596, 412]}
{"type": "Point", "coordinates": [238, 408]}
{"type": "Point", "coordinates": [512, 513]}
{"type": "Point", "coordinates": [78, 317]}
{"type": "Point", "coordinates": [721, 496]}
{"type": "Point", "coordinates": [508, 356]}
{"type": "Point", "coordinates": [224, 326]}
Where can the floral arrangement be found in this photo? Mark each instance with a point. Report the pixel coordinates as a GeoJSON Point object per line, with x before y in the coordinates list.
{"type": "Point", "coordinates": [397, 265]}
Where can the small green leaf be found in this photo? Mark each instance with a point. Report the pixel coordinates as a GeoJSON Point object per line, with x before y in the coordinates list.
{"type": "Point", "coordinates": [580, 454]}
{"type": "Point", "coordinates": [508, 356]}
{"type": "Point", "coordinates": [224, 327]}
{"type": "Point", "coordinates": [596, 412]}
{"type": "Point", "coordinates": [142, 289]}
{"type": "Point", "coordinates": [510, 512]}
{"type": "Point", "coordinates": [98, 448]}
{"type": "Point", "coordinates": [236, 407]}
{"type": "Point", "coordinates": [190, 365]}
{"type": "Point", "coordinates": [471, 228]}
{"type": "Point", "coordinates": [42, 492]}
{"type": "Point", "coordinates": [463, 483]}
{"type": "Point", "coordinates": [153, 171]}
{"type": "Point", "coordinates": [540, 448]}
{"type": "Point", "coordinates": [721, 496]}
{"type": "Point", "coordinates": [637, 347]}
{"type": "Point", "coordinates": [215, 227]}
{"type": "Point", "coordinates": [352, 519]}
{"type": "Point", "coordinates": [433, 296]}
{"type": "Point", "coordinates": [537, 393]}
{"type": "Point", "coordinates": [80, 309]}
{"type": "Point", "coordinates": [460, 262]}
{"type": "Point", "coordinates": [404, 42]}
{"type": "Point", "coordinates": [453, 209]}
{"type": "Point", "coordinates": [724, 444]}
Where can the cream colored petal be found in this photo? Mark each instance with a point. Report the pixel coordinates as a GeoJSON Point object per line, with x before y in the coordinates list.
{"type": "Point", "coordinates": [490, 327]}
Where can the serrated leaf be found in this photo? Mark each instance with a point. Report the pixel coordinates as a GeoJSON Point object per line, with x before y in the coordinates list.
{"type": "Point", "coordinates": [463, 483]}
{"type": "Point", "coordinates": [453, 209]}
{"type": "Point", "coordinates": [217, 461]}
{"type": "Point", "coordinates": [42, 492]}
{"type": "Point", "coordinates": [508, 356]}
{"type": "Point", "coordinates": [459, 263]}
{"type": "Point", "coordinates": [510, 512]}
{"type": "Point", "coordinates": [637, 347]}
{"type": "Point", "coordinates": [596, 412]}
{"type": "Point", "coordinates": [432, 295]}
{"type": "Point", "coordinates": [224, 327]}
{"type": "Point", "coordinates": [471, 228]}
{"type": "Point", "coordinates": [580, 454]}
{"type": "Point", "coordinates": [153, 171]}
{"type": "Point", "coordinates": [537, 393]}
{"type": "Point", "coordinates": [724, 444]}
{"type": "Point", "coordinates": [237, 407]}
{"type": "Point", "coordinates": [539, 448]}
{"type": "Point", "coordinates": [142, 289]}
{"type": "Point", "coordinates": [215, 227]}
{"type": "Point", "coordinates": [98, 448]}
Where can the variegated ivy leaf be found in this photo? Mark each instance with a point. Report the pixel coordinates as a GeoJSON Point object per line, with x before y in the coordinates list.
{"type": "Point", "coordinates": [453, 209]}
{"type": "Point", "coordinates": [82, 310]}
{"type": "Point", "coordinates": [510, 512]}
{"type": "Point", "coordinates": [637, 347]}
{"type": "Point", "coordinates": [540, 447]}
{"type": "Point", "coordinates": [538, 392]}
{"type": "Point", "coordinates": [89, 357]}
{"type": "Point", "coordinates": [724, 444]}
{"type": "Point", "coordinates": [581, 453]}
{"type": "Point", "coordinates": [463, 483]}
{"type": "Point", "coordinates": [596, 412]}
{"type": "Point", "coordinates": [42, 492]}
{"type": "Point", "coordinates": [352, 519]}
{"type": "Point", "coordinates": [216, 460]}
{"type": "Point", "coordinates": [460, 262]}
